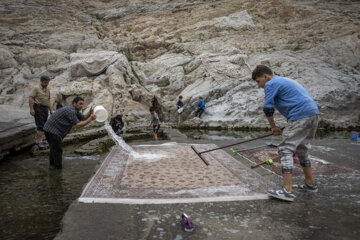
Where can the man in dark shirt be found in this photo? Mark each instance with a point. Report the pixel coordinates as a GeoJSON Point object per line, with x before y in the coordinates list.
{"type": "Point", "coordinates": [180, 106]}
{"type": "Point", "coordinates": [59, 125]}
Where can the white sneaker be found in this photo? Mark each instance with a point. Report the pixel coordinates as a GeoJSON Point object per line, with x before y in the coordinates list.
{"type": "Point", "coordinates": [282, 194]}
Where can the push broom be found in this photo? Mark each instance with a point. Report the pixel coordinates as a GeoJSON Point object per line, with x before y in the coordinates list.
{"type": "Point", "coordinates": [207, 163]}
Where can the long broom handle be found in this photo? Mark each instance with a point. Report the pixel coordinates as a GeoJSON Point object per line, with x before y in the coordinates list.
{"type": "Point", "coordinates": [236, 143]}
{"type": "Point", "coordinates": [254, 166]}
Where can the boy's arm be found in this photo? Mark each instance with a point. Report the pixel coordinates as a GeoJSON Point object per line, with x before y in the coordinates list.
{"type": "Point", "coordinates": [275, 130]}
{"type": "Point", "coordinates": [157, 123]}
{"type": "Point", "coordinates": [270, 93]}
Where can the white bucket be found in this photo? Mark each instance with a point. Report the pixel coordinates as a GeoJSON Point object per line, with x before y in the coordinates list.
{"type": "Point", "coordinates": [101, 113]}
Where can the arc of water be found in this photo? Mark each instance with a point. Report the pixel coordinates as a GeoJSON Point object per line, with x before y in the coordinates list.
{"type": "Point", "coordinates": [119, 140]}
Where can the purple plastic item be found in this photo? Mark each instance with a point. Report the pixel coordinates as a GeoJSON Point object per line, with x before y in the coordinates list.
{"type": "Point", "coordinates": [186, 223]}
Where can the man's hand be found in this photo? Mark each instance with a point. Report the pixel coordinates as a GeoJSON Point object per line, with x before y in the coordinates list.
{"type": "Point", "coordinates": [51, 111]}
{"type": "Point", "coordinates": [149, 126]}
{"type": "Point", "coordinates": [91, 110]}
{"type": "Point", "coordinates": [276, 131]}
{"type": "Point", "coordinates": [92, 116]}
{"type": "Point", "coordinates": [32, 112]}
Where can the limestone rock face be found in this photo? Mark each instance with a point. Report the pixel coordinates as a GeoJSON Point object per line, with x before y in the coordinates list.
{"type": "Point", "coordinates": [91, 64]}
{"type": "Point", "coordinates": [237, 21]}
{"type": "Point", "coordinates": [7, 59]}
{"type": "Point", "coordinates": [130, 55]}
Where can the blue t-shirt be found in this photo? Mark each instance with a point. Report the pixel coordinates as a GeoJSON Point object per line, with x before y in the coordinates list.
{"type": "Point", "coordinates": [201, 105]}
{"type": "Point", "coordinates": [289, 97]}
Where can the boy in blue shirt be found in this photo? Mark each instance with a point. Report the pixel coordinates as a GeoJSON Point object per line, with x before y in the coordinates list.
{"type": "Point", "coordinates": [200, 107]}
{"type": "Point", "coordinates": [302, 114]}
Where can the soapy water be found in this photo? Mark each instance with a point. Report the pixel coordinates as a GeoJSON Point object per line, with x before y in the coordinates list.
{"type": "Point", "coordinates": [118, 140]}
{"type": "Point", "coordinates": [148, 157]}
{"type": "Point", "coordinates": [121, 143]}
{"type": "Point", "coordinates": [213, 190]}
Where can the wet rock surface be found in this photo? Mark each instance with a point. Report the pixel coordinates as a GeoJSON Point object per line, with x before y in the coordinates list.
{"type": "Point", "coordinates": [17, 129]}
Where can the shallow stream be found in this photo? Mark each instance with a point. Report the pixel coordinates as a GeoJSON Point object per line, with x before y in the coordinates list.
{"type": "Point", "coordinates": [34, 198]}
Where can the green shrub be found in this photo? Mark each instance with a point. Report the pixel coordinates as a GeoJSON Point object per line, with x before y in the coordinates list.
{"type": "Point", "coordinates": [297, 48]}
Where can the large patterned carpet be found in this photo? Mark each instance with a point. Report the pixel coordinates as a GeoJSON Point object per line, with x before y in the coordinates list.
{"type": "Point", "coordinates": [319, 166]}
{"type": "Point", "coordinates": [172, 173]}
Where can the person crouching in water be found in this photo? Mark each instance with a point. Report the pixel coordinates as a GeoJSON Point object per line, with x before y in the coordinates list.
{"type": "Point", "coordinates": [117, 124]}
{"type": "Point", "coordinates": [155, 122]}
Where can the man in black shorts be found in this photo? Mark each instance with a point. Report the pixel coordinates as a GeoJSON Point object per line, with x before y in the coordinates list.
{"type": "Point", "coordinates": [155, 121]}
{"type": "Point", "coordinates": [39, 103]}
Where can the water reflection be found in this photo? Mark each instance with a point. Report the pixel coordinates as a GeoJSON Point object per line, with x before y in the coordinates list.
{"type": "Point", "coordinates": [33, 197]}
{"type": "Point", "coordinates": [224, 135]}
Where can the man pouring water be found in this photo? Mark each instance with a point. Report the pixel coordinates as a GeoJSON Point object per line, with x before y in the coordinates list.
{"type": "Point", "coordinates": [59, 125]}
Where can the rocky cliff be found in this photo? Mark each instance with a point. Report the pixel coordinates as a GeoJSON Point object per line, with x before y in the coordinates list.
{"type": "Point", "coordinates": [128, 55]}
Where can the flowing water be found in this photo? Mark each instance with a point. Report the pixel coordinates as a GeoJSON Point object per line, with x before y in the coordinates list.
{"type": "Point", "coordinates": [117, 139]}
{"type": "Point", "coordinates": [121, 143]}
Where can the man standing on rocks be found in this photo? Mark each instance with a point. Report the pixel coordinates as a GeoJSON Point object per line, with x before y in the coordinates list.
{"type": "Point", "coordinates": [60, 124]}
{"type": "Point", "coordinates": [39, 103]}
{"type": "Point", "coordinates": [302, 114]}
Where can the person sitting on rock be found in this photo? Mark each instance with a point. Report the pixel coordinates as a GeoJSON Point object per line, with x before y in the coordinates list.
{"type": "Point", "coordinates": [292, 100]}
{"type": "Point", "coordinates": [39, 103]}
{"type": "Point", "coordinates": [117, 124]}
{"type": "Point", "coordinates": [59, 125]}
{"type": "Point", "coordinates": [200, 107]}
{"type": "Point", "coordinates": [180, 108]}
{"type": "Point", "coordinates": [155, 121]}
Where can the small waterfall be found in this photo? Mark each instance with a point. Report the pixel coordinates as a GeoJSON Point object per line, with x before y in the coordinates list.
{"type": "Point", "coordinates": [118, 140]}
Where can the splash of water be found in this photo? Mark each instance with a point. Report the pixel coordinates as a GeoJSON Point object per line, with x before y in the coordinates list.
{"type": "Point", "coordinates": [137, 156]}
{"type": "Point", "coordinates": [118, 140]}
